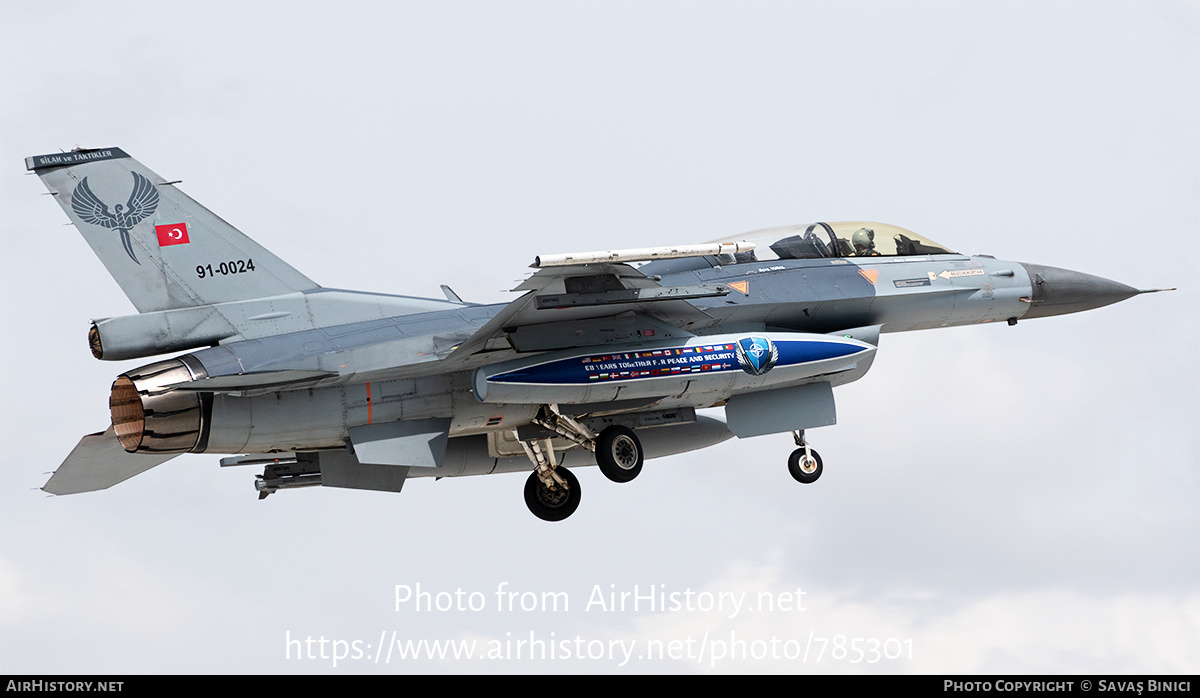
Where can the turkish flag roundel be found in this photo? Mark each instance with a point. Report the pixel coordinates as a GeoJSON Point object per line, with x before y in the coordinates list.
{"type": "Point", "coordinates": [172, 234]}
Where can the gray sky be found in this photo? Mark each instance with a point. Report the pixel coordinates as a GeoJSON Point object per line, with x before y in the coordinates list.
{"type": "Point", "coordinates": [995, 499]}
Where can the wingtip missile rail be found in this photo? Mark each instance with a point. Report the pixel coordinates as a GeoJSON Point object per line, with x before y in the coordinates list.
{"type": "Point", "coordinates": [642, 254]}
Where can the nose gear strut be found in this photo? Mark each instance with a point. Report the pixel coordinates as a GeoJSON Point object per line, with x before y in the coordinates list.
{"type": "Point", "coordinates": [804, 464]}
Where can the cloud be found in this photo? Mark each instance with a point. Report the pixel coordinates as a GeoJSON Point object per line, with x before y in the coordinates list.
{"type": "Point", "coordinates": [1039, 631]}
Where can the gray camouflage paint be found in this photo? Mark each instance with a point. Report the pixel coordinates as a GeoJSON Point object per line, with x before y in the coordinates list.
{"type": "Point", "coordinates": [297, 367]}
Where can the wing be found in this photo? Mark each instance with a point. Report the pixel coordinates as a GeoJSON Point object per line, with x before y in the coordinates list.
{"type": "Point", "coordinates": [142, 201]}
{"type": "Point", "coordinates": [561, 307]}
{"type": "Point", "coordinates": [90, 208]}
{"type": "Point", "coordinates": [587, 305]}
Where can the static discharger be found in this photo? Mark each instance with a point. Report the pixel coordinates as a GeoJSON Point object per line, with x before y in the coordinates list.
{"type": "Point", "coordinates": [643, 254]}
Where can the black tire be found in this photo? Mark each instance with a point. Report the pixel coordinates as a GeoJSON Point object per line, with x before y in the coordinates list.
{"type": "Point", "coordinates": [798, 473]}
{"type": "Point", "coordinates": [619, 454]}
{"type": "Point", "coordinates": [552, 505]}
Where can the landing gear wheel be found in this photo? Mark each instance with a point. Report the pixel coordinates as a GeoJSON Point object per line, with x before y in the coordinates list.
{"type": "Point", "coordinates": [556, 504]}
{"type": "Point", "coordinates": [619, 454]}
{"type": "Point", "coordinates": [805, 470]}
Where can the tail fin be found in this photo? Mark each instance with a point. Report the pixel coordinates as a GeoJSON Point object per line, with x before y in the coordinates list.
{"type": "Point", "coordinates": [164, 249]}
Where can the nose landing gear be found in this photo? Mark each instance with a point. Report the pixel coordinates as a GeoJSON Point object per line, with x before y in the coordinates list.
{"type": "Point", "coordinates": [804, 464]}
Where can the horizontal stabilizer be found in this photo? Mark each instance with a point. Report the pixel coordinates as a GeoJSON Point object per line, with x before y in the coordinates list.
{"type": "Point", "coordinates": [99, 462]}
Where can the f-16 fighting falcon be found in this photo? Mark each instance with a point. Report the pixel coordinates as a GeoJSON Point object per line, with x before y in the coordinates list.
{"type": "Point", "coordinates": [601, 360]}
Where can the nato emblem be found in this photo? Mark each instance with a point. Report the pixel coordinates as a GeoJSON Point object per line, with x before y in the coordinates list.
{"type": "Point", "coordinates": [757, 355]}
{"type": "Point", "coordinates": [142, 202]}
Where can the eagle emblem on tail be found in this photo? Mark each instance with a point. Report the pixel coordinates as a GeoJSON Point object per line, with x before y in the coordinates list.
{"type": "Point", "coordinates": [143, 200]}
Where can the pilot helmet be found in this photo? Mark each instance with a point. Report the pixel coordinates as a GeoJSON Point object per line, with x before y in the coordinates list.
{"type": "Point", "coordinates": [863, 240]}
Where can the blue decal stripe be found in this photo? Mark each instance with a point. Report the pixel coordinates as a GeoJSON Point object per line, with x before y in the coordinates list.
{"type": "Point", "coordinates": [666, 363]}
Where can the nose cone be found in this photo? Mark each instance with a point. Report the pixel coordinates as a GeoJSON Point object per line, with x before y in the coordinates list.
{"type": "Point", "coordinates": [1061, 291]}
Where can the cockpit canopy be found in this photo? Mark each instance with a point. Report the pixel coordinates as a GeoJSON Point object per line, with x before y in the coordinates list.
{"type": "Point", "coordinates": [845, 239]}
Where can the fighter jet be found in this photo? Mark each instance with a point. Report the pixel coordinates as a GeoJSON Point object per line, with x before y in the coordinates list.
{"type": "Point", "coordinates": [606, 358]}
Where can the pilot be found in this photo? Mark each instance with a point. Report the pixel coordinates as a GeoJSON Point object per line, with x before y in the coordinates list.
{"type": "Point", "coordinates": [863, 240]}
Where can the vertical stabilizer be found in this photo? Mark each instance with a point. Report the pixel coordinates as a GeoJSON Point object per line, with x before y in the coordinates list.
{"type": "Point", "coordinates": [164, 249]}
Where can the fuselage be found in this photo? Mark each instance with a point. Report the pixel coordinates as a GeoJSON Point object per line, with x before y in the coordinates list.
{"type": "Point", "coordinates": [398, 374]}
{"type": "Point", "coordinates": [785, 296]}
{"type": "Point", "coordinates": [745, 337]}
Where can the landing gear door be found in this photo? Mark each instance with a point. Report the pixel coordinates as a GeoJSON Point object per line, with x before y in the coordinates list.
{"type": "Point", "coordinates": [781, 410]}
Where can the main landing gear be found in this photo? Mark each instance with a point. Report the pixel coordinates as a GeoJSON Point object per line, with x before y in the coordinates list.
{"type": "Point", "coordinates": [804, 463]}
{"type": "Point", "coordinates": [553, 502]}
{"type": "Point", "coordinates": [552, 492]}
{"type": "Point", "coordinates": [619, 454]}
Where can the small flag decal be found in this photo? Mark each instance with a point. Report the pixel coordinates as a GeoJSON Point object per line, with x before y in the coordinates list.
{"type": "Point", "coordinates": [172, 234]}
